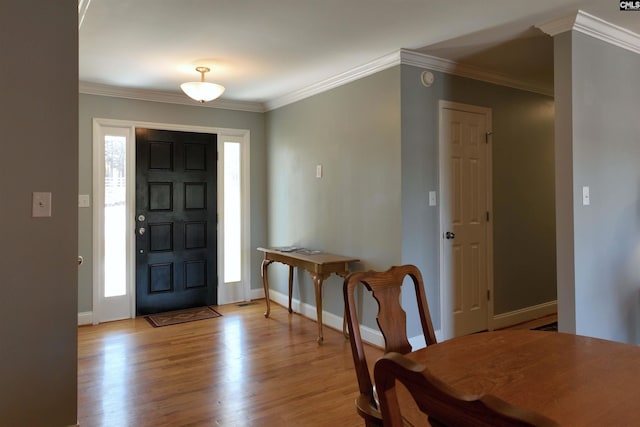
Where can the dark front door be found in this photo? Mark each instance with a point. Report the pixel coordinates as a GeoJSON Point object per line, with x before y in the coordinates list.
{"type": "Point", "coordinates": [176, 248]}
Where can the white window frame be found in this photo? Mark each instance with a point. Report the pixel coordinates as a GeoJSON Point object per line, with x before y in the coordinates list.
{"type": "Point", "coordinates": [226, 294]}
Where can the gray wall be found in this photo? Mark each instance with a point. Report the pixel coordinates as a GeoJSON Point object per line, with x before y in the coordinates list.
{"type": "Point", "coordinates": [523, 211]}
{"type": "Point", "coordinates": [39, 121]}
{"type": "Point", "coordinates": [377, 139]}
{"type": "Point", "coordinates": [355, 208]}
{"type": "Point", "coordinates": [105, 107]}
{"type": "Point", "coordinates": [601, 147]}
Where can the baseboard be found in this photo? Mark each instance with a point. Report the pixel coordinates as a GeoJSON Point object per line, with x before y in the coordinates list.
{"type": "Point", "coordinates": [373, 336]}
{"type": "Point", "coordinates": [257, 293]}
{"type": "Point", "coordinates": [85, 318]}
{"type": "Point", "coordinates": [524, 315]}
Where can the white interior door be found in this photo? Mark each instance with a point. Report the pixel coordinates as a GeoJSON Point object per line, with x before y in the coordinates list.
{"type": "Point", "coordinates": [465, 175]}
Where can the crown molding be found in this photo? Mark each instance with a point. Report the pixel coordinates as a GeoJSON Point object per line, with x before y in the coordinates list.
{"type": "Point", "coordinates": [166, 97]}
{"type": "Point", "coordinates": [402, 56]}
{"type": "Point", "coordinates": [407, 57]}
{"type": "Point", "coordinates": [357, 73]}
{"type": "Point", "coordinates": [594, 27]}
{"type": "Point", "coordinates": [447, 66]}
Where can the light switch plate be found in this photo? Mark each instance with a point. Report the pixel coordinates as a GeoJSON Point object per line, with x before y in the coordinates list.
{"type": "Point", "coordinates": [586, 199]}
{"type": "Point", "coordinates": [318, 171]}
{"type": "Point", "coordinates": [83, 201]}
{"type": "Point", "coordinates": [432, 198]}
{"type": "Point", "coordinates": [41, 206]}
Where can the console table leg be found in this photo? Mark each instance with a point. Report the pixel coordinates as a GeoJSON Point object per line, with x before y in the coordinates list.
{"type": "Point", "coordinates": [290, 287]}
{"type": "Point", "coordinates": [265, 284]}
{"type": "Point", "coordinates": [317, 284]}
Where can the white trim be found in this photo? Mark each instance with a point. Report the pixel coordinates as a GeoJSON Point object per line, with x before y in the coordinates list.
{"type": "Point", "coordinates": [401, 56]}
{"type": "Point", "coordinates": [453, 68]}
{"type": "Point", "coordinates": [83, 6]}
{"type": "Point", "coordinates": [85, 318]}
{"type": "Point", "coordinates": [242, 135]}
{"type": "Point", "coordinates": [257, 293]}
{"type": "Point", "coordinates": [229, 293]}
{"type": "Point", "coordinates": [97, 177]}
{"type": "Point", "coordinates": [582, 21]}
{"type": "Point", "coordinates": [524, 315]}
{"type": "Point", "coordinates": [166, 97]}
{"type": "Point", "coordinates": [100, 127]}
{"type": "Point", "coordinates": [354, 74]}
{"type": "Point", "coordinates": [557, 26]}
{"type": "Point", "coordinates": [369, 335]}
{"type": "Point", "coordinates": [594, 27]}
{"type": "Point", "coordinates": [445, 297]}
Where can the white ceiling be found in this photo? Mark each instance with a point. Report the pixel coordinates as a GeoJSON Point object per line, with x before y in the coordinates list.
{"type": "Point", "coordinates": [263, 50]}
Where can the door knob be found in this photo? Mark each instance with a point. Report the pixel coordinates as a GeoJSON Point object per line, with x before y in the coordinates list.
{"type": "Point", "coordinates": [449, 235]}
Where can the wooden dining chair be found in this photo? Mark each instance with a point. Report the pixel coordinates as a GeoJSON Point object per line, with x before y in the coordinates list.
{"type": "Point", "coordinates": [443, 405]}
{"type": "Point", "coordinates": [391, 318]}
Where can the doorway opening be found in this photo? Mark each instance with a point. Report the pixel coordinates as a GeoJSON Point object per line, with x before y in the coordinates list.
{"type": "Point", "coordinates": [114, 216]}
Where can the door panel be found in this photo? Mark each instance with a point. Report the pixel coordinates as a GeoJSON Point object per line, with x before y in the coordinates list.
{"type": "Point", "coordinates": [176, 248]}
{"type": "Point", "coordinates": [465, 206]}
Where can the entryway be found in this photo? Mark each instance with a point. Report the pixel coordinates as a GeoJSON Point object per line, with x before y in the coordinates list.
{"type": "Point", "coordinates": [176, 220]}
{"type": "Point", "coordinates": [182, 256]}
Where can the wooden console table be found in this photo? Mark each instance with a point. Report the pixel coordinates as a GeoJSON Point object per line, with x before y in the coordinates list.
{"type": "Point", "coordinates": [319, 264]}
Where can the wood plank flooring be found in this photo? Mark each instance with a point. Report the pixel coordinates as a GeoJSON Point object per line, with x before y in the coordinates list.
{"type": "Point", "coordinates": [240, 369]}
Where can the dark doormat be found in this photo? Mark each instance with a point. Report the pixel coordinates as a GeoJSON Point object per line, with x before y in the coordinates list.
{"type": "Point", "coordinates": [181, 316]}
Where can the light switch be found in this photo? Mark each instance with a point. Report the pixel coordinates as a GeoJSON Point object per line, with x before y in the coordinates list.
{"type": "Point", "coordinates": [586, 201]}
{"type": "Point", "coordinates": [432, 198]}
{"type": "Point", "coordinates": [83, 201]}
{"type": "Point", "coordinates": [41, 206]}
{"type": "Point", "coordinates": [318, 171]}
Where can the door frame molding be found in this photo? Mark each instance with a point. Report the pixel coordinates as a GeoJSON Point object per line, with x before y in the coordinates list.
{"type": "Point", "coordinates": [238, 135]}
{"type": "Point", "coordinates": [445, 291]}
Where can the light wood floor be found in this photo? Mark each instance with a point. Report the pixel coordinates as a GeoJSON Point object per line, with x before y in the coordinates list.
{"type": "Point", "coordinates": [240, 369]}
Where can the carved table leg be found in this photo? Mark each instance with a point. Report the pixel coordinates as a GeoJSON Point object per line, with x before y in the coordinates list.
{"type": "Point", "coordinates": [317, 284]}
{"type": "Point", "coordinates": [265, 284]}
{"type": "Point", "coordinates": [345, 333]}
{"type": "Point", "coordinates": [290, 287]}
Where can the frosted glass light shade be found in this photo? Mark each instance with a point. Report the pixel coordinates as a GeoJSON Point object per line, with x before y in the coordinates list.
{"type": "Point", "coordinates": [202, 91]}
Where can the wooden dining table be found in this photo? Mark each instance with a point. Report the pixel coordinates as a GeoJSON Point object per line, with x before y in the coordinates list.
{"type": "Point", "coordinates": [575, 380]}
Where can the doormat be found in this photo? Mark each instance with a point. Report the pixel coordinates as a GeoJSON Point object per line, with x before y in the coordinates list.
{"type": "Point", "coordinates": [181, 316]}
{"type": "Point", "coordinates": [550, 327]}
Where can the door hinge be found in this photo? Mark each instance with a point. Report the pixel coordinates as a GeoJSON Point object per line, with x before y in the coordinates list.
{"type": "Point", "coordinates": [486, 136]}
{"type": "Point", "coordinates": [488, 295]}
{"type": "Point", "coordinates": [487, 216]}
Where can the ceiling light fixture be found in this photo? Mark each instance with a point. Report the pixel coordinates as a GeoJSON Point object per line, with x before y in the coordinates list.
{"type": "Point", "coordinates": [202, 91]}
